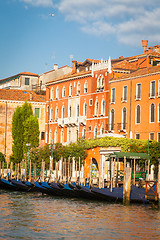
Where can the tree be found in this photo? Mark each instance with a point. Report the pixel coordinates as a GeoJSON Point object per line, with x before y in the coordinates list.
{"type": "Point", "coordinates": [2, 158]}
{"type": "Point", "coordinates": [24, 124]}
{"type": "Point", "coordinates": [17, 134]}
{"type": "Point", "coordinates": [31, 126]}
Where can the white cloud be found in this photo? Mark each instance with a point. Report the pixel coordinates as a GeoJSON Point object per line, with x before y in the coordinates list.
{"type": "Point", "coordinates": [130, 21]}
{"type": "Point", "coordinates": [43, 3]}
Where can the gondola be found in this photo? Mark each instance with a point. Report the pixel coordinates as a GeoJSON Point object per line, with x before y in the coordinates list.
{"type": "Point", "coordinates": [137, 194]}
{"type": "Point", "coordinates": [8, 185]}
{"type": "Point", "coordinates": [20, 185]}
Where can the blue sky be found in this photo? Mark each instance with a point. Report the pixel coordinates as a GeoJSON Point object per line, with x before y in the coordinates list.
{"type": "Point", "coordinates": [30, 37]}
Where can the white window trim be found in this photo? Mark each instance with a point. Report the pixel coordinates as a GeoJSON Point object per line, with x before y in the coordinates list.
{"type": "Point", "coordinates": [150, 113]}
{"type": "Point", "coordinates": [122, 127]}
{"type": "Point", "coordinates": [136, 114]}
{"type": "Point", "coordinates": [125, 100]}
{"type": "Point", "coordinates": [111, 120]}
{"type": "Point", "coordinates": [102, 108]}
{"type": "Point", "coordinates": [151, 89]}
{"type": "Point", "coordinates": [39, 112]}
{"type": "Point", "coordinates": [158, 114]}
{"type": "Point", "coordinates": [84, 104]}
{"type": "Point", "coordinates": [112, 95]}
{"type": "Point", "coordinates": [57, 92]}
{"type": "Point", "coordinates": [138, 84]}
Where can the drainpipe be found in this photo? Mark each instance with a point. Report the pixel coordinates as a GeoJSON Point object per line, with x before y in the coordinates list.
{"type": "Point", "coordinates": [130, 112]}
{"type": "Point", "coordinates": [5, 144]}
{"type": "Point", "coordinates": [48, 114]}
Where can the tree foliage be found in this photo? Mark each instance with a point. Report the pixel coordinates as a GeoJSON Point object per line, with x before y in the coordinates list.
{"type": "Point", "coordinates": [24, 124]}
{"type": "Point", "coordinates": [31, 126]}
{"type": "Point", "coordinates": [2, 158]}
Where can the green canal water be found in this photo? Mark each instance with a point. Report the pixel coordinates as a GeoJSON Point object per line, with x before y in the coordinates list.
{"type": "Point", "coordinates": [33, 216]}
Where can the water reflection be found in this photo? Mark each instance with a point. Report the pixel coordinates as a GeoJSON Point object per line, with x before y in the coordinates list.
{"type": "Point", "coordinates": [32, 216]}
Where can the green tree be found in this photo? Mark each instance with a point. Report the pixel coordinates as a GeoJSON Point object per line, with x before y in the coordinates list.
{"type": "Point", "coordinates": [17, 134]}
{"type": "Point", "coordinates": [23, 123]}
{"type": "Point", "coordinates": [31, 126]}
{"type": "Point", "coordinates": [2, 158]}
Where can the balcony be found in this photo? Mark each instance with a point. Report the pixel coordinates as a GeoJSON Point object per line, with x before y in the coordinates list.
{"type": "Point", "coordinates": [82, 120]}
{"type": "Point", "coordinates": [60, 122]}
{"type": "Point", "coordinates": [70, 122]}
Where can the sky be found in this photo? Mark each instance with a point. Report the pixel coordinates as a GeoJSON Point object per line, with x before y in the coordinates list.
{"type": "Point", "coordinates": [32, 40]}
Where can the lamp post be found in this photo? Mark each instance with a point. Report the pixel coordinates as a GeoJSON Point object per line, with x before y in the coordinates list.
{"type": "Point", "coordinates": [52, 147]}
{"type": "Point", "coordinates": [28, 145]}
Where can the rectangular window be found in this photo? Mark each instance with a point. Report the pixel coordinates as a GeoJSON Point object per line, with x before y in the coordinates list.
{"type": "Point", "coordinates": [138, 91]}
{"type": "Point", "coordinates": [125, 93]}
{"type": "Point", "coordinates": [113, 95]}
{"type": "Point", "coordinates": [151, 136]}
{"type": "Point", "coordinates": [37, 112]}
{"type": "Point", "coordinates": [137, 136]}
{"type": "Point", "coordinates": [42, 135]}
{"type": "Point", "coordinates": [26, 81]}
{"type": "Point", "coordinates": [152, 89]}
{"type": "Point", "coordinates": [158, 139]}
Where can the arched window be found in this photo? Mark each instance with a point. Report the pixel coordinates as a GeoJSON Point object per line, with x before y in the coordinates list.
{"type": "Point", "coordinates": [57, 92]}
{"type": "Point", "coordinates": [56, 113]}
{"type": "Point", "coordinates": [159, 112]}
{"type": "Point", "coordinates": [95, 131]}
{"type": "Point", "coordinates": [78, 88]}
{"type": "Point", "coordinates": [51, 114]}
{"type": "Point", "coordinates": [62, 136]}
{"type": "Point", "coordinates": [51, 97]}
{"type": "Point", "coordinates": [96, 108]}
{"type": "Point", "coordinates": [85, 87]}
{"type": "Point", "coordinates": [98, 83]}
{"type": "Point", "coordinates": [102, 82]}
{"type": "Point", "coordinates": [70, 111]}
{"type": "Point", "coordinates": [103, 107]}
{"type": "Point", "coordinates": [124, 118]}
{"type": "Point", "coordinates": [85, 109]}
{"type": "Point", "coordinates": [138, 114]}
{"type": "Point", "coordinates": [77, 110]}
{"type": "Point", "coordinates": [112, 119]}
{"type": "Point", "coordinates": [102, 129]}
{"type": "Point", "coordinates": [63, 91]}
{"type": "Point", "coordinates": [50, 136]}
{"type": "Point", "coordinates": [152, 113]}
{"type": "Point", "coordinates": [56, 136]}
{"type": "Point", "coordinates": [70, 90]}
{"type": "Point", "coordinates": [84, 133]}
{"type": "Point", "coordinates": [63, 112]}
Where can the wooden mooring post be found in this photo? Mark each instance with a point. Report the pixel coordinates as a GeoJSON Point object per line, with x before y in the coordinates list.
{"type": "Point", "coordinates": [126, 184]}
{"type": "Point", "coordinates": [151, 190]}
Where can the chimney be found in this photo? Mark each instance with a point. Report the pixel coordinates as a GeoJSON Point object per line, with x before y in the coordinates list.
{"type": "Point", "coordinates": [55, 67]}
{"type": "Point", "coordinates": [74, 62]}
{"type": "Point", "coordinates": [150, 49]}
{"type": "Point", "coordinates": [30, 96]}
{"type": "Point", "coordinates": [156, 48]}
{"type": "Point", "coordinates": [144, 45]}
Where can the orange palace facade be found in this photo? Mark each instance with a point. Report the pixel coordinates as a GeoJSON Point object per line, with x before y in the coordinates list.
{"type": "Point", "coordinates": [134, 108]}
{"type": "Point", "coordinates": [77, 103]}
{"type": "Point", "coordinates": [118, 96]}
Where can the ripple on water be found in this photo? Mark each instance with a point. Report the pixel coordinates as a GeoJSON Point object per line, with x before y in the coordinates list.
{"type": "Point", "coordinates": [33, 216]}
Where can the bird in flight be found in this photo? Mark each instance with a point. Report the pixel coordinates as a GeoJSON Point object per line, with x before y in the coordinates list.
{"type": "Point", "coordinates": [52, 14]}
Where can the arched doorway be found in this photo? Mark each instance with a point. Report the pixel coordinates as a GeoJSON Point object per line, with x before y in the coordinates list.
{"type": "Point", "coordinates": [95, 168]}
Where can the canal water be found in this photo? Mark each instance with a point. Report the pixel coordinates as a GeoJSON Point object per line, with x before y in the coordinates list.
{"type": "Point", "coordinates": [33, 216]}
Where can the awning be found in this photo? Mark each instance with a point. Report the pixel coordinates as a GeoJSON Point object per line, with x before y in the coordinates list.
{"type": "Point", "coordinates": [129, 155]}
